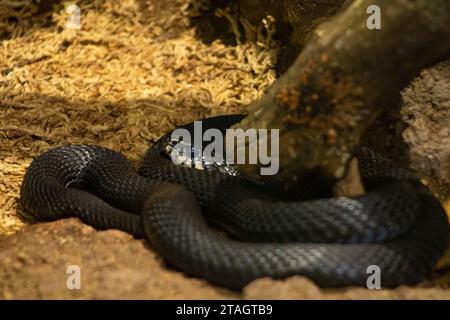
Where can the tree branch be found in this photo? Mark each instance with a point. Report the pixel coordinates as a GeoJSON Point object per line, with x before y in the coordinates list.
{"type": "Point", "coordinates": [342, 79]}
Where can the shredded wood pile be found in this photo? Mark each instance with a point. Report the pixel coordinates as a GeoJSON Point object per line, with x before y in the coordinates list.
{"type": "Point", "coordinates": [134, 70]}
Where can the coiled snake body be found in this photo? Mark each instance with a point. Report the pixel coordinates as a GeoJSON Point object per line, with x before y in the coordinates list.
{"type": "Point", "coordinates": [397, 225]}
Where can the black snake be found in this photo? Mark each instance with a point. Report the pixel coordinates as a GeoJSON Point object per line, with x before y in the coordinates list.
{"type": "Point", "coordinates": [397, 225]}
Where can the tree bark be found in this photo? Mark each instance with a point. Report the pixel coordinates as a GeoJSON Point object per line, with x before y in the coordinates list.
{"type": "Point", "coordinates": [295, 20]}
{"type": "Point", "coordinates": [342, 79]}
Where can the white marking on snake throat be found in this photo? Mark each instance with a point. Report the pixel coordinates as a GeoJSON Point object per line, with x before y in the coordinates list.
{"type": "Point", "coordinates": [258, 143]}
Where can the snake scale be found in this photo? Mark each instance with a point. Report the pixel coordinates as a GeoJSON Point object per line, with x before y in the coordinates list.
{"type": "Point", "coordinates": [396, 225]}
